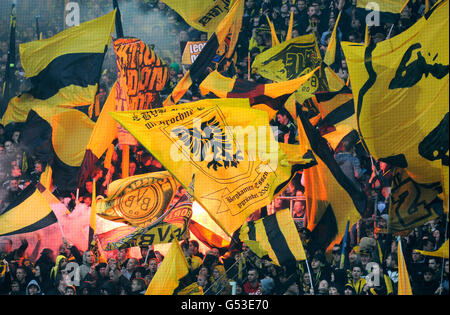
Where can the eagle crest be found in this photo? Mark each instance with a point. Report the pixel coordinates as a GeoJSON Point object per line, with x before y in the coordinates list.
{"type": "Point", "coordinates": [209, 138]}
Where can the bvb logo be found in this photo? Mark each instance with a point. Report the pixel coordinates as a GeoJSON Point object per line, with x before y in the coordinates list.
{"type": "Point", "coordinates": [144, 206]}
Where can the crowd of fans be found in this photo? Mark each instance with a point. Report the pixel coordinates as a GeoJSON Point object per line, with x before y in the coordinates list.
{"type": "Point", "coordinates": [70, 271]}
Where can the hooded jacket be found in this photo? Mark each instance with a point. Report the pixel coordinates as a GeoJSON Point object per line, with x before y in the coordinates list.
{"type": "Point", "coordinates": [35, 283]}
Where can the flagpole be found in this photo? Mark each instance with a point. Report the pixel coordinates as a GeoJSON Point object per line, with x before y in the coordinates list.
{"type": "Point", "coordinates": [310, 275]}
{"type": "Point", "coordinates": [37, 17]}
{"type": "Point", "coordinates": [119, 28]}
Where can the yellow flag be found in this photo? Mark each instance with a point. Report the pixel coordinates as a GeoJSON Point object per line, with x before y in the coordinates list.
{"type": "Point", "coordinates": [138, 200]}
{"type": "Point", "coordinates": [276, 236]}
{"type": "Point", "coordinates": [401, 91]}
{"type": "Point", "coordinates": [275, 40]}
{"type": "Point", "coordinates": [291, 27]}
{"type": "Point", "coordinates": [174, 268]}
{"type": "Point", "coordinates": [441, 252]}
{"type": "Point", "coordinates": [404, 285]}
{"type": "Point", "coordinates": [330, 54]}
{"type": "Point", "coordinates": [204, 16]}
{"type": "Point", "coordinates": [229, 147]}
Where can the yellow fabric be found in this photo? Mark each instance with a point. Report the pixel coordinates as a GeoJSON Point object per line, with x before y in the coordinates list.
{"type": "Point", "coordinates": [204, 16]}
{"type": "Point", "coordinates": [230, 26]}
{"type": "Point", "coordinates": [31, 210]}
{"type": "Point", "coordinates": [233, 190]}
{"type": "Point", "coordinates": [394, 117]}
{"type": "Point", "coordinates": [70, 96]}
{"type": "Point", "coordinates": [221, 85]}
{"type": "Point", "coordinates": [330, 54]}
{"type": "Point", "coordinates": [138, 200]}
{"type": "Point", "coordinates": [441, 252]}
{"type": "Point", "coordinates": [404, 285]}
{"type": "Point", "coordinates": [409, 203]}
{"type": "Point", "coordinates": [275, 40]}
{"type": "Point", "coordinates": [335, 83]}
{"type": "Point", "coordinates": [105, 130]}
{"type": "Point", "coordinates": [290, 27]}
{"type": "Point", "coordinates": [92, 221]}
{"type": "Point", "coordinates": [89, 37]}
{"type": "Point", "coordinates": [46, 177]}
{"type": "Point", "coordinates": [322, 190]}
{"type": "Point", "coordinates": [393, 6]}
{"type": "Point", "coordinates": [172, 269]}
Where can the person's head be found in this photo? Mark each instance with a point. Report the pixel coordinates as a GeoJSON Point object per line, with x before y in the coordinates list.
{"type": "Point", "coordinates": [70, 290]}
{"type": "Point", "coordinates": [252, 276]}
{"type": "Point", "coordinates": [138, 285]}
{"type": "Point", "coordinates": [204, 271]}
{"type": "Point", "coordinates": [416, 256]}
{"type": "Point", "coordinates": [301, 5]}
{"type": "Point", "coordinates": [365, 257]}
{"type": "Point", "coordinates": [332, 290]}
{"type": "Point", "coordinates": [153, 265]}
{"type": "Point", "coordinates": [122, 254]}
{"type": "Point", "coordinates": [311, 11]}
{"type": "Point", "coordinates": [5, 245]}
{"type": "Point", "coordinates": [427, 243]}
{"type": "Point", "coordinates": [16, 171]}
{"type": "Point", "coordinates": [131, 264]}
{"type": "Point", "coordinates": [193, 247]}
{"type": "Point", "coordinates": [33, 288]}
{"type": "Point", "coordinates": [349, 290]}
{"type": "Point", "coordinates": [391, 260]}
{"type": "Point", "coordinates": [217, 272]}
{"type": "Point", "coordinates": [9, 148]}
{"type": "Point", "coordinates": [428, 274]}
{"type": "Point", "coordinates": [356, 272]}
{"type": "Point", "coordinates": [88, 257]}
{"type": "Point", "coordinates": [202, 281]}
{"type": "Point", "coordinates": [323, 286]}
{"type": "Point", "coordinates": [21, 274]}
{"type": "Point", "coordinates": [336, 252]}
{"type": "Point", "coordinates": [433, 264]}
{"type": "Point", "coordinates": [15, 286]}
{"type": "Point", "coordinates": [38, 168]}
{"type": "Point", "coordinates": [299, 208]}
{"type": "Point", "coordinates": [282, 118]}
{"type": "Point", "coordinates": [316, 262]}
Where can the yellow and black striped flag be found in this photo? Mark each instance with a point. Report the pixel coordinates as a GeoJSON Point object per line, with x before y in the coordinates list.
{"type": "Point", "coordinates": [276, 236]}
{"type": "Point", "coordinates": [28, 212]}
{"type": "Point", "coordinates": [65, 69]}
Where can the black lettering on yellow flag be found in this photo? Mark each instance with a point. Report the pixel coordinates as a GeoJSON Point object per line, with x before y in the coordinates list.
{"type": "Point", "coordinates": [412, 204]}
{"type": "Point", "coordinates": [225, 143]}
{"type": "Point", "coordinates": [401, 96]}
{"type": "Point", "coordinates": [290, 60]}
{"type": "Point", "coordinates": [204, 15]}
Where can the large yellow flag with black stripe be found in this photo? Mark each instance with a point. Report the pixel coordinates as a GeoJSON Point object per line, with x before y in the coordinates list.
{"type": "Point", "coordinates": [64, 69]}
{"type": "Point", "coordinates": [173, 276]}
{"type": "Point", "coordinates": [276, 236]}
{"type": "Point", "coordinates": [229, 146]}
{"type": "Point", "coordinates": [204, 16]}
{"type": "Point", "coordinates": [401, 91]}
{"type": "Point", "coordinates": [28, 212]}
{"type": "Point", "coordinates": [404, 284]}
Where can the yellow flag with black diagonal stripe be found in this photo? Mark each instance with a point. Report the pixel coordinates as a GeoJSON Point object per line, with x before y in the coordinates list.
{"type": "Point", "coordinates": [276, 236]}
{"type": "Point", "coordinates": [65, 69]}
{"type": "Point", "coordinates": [28, 212]}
